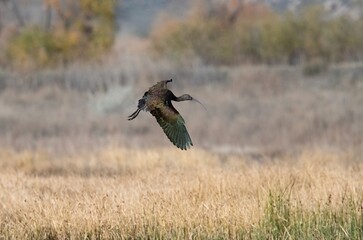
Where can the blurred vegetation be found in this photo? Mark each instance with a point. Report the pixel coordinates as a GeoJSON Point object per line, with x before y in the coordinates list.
{"type": "Point", "coordinates": [315, 67]}
{"type": "Point", "coordinates": [256, 34]}
{"type": "Point", "coordinates": [79, 30]}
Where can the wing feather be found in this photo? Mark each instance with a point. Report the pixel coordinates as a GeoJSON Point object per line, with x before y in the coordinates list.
{"type": "Point", "coordinates": [173, 126]}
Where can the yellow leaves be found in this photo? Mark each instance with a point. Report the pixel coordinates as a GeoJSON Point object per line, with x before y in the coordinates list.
{"type": "Point", "coordinates": [77, 34]}
{"type": "Point", "coordinates": [74, 38]}
{"type": "Point", "coordinates": [101, 7]}
{"type": "Point", "coordinates": [259, 35]}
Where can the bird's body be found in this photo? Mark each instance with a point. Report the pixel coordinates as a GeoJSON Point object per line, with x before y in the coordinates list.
{"type": "Point", "coordinates": [157, 100]}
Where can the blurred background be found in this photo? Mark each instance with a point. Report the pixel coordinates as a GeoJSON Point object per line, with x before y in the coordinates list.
{"type": "Point", "coordinates": [275, 75]}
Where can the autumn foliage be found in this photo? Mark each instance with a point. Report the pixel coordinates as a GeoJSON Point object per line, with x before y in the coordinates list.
{"type": "Point", "coordinates": [72, 30]}
{"type": "Point", "coordinates": [256, 34]}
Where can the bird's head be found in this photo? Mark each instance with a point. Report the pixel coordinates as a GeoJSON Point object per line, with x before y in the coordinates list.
{"type": "Point", "coordinates": [185, 97]}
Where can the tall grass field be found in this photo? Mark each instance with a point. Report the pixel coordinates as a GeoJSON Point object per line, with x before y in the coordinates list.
{"type": "Point", "coordinates": [278, 153]}
{"type": "Point", "coordinates": [116, 193]}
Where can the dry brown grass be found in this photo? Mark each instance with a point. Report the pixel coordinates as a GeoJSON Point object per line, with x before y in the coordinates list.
{"type": "Point", "coordinates": [164, 193]}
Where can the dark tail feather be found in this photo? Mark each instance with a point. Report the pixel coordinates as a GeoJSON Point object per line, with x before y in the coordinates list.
{"type": "Point", "coordinates": [134, 115]}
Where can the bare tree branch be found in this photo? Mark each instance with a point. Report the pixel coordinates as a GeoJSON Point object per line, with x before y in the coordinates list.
{"type": "Point", "coordinates": [48, 17]}
{"type": "Point", "coordinates": [17, 13]}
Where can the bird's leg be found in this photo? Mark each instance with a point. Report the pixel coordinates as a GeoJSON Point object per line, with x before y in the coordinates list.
{"type": "Point", "coordinates": [134, 115]}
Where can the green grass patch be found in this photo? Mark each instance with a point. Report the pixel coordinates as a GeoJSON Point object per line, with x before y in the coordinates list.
{"type": "Point", "coordinates": [284, 219]}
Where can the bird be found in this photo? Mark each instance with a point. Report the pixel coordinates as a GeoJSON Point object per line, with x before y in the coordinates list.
{"type": "Point", "coordinates": [157, 101]}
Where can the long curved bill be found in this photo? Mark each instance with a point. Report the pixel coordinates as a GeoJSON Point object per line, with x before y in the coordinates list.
{"type": "Point", "coordinates": [199, 103]}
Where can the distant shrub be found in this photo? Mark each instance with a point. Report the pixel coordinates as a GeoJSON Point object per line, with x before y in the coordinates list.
{"type": "Point", "coordinates": [208, 36]}
{"type": "Point", "coordinates": [256, 34]}
{"type": "Point", "coordinates": [315, 67]}
{"type": "Point", "coordinates": [84, 29]}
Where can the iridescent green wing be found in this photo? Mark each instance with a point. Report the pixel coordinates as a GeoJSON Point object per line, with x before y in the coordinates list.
{"type": "Point", "coordinates": [173, 126]}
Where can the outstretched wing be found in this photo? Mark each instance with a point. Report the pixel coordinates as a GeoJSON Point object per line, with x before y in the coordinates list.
{"type": "Point", "coordinates": [173, 126]}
